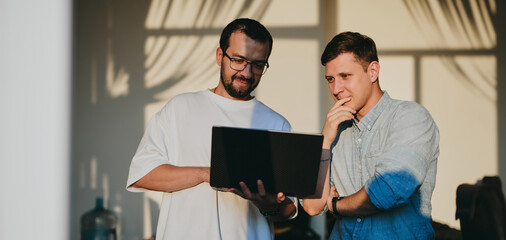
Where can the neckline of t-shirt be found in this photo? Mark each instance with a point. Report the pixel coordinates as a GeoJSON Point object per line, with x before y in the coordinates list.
{"type": "Point", "coordinates": [229, 101]}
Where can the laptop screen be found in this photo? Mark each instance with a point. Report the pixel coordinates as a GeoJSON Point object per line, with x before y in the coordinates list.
{"type": "Point", "coordinates": [285, 162]}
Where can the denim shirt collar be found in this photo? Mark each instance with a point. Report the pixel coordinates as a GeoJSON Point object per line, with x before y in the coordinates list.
{"type": "Point", "coordinates": [370, 118]}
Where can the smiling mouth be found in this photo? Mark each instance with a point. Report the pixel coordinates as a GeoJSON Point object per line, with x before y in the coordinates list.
{"type": "Point", "coordinates": [243, 81]}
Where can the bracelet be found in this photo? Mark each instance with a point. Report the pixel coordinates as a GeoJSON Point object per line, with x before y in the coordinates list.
{"type": "Point", "coordinates": [270, 213]}
{"type": "Point", "coordinates": [325, 155]}
{"type": "Point", "coordinates": [334, 207]}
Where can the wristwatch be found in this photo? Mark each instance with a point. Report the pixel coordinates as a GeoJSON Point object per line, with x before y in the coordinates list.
{"type": "Point", "coordinates": [334, 208]}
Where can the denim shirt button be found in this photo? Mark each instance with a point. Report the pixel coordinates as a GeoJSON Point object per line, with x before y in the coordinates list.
{"type": "Point", "coordinates": [359, 220]}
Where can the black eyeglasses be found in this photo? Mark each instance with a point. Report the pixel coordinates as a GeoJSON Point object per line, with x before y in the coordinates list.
{"type": "Point", "coordinates": [239, 64]}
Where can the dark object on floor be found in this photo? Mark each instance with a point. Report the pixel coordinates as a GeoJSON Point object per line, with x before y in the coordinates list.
{"type": "Point", "coordinates": [481, 209]}
{"type": "Point", "coordinates": [445, 232]}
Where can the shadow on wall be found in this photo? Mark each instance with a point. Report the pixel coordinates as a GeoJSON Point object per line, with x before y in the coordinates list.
{"type": "Point", "coordinates": [131, 58]}
{"type": "Point", "coordinates": [465, 25]}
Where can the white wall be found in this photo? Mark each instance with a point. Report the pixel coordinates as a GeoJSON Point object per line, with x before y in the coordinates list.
{"type": "Point", "coordinates": [35, 99]}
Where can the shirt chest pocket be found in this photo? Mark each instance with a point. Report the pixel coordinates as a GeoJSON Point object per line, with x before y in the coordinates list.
{"type": "Point", "coordinates": [373, 151]}
{"type": "Point", "coordinates": [368, 163]}
{"type": "Point", "coordinates": [370, 160]}
{"type": "Point", "coordinates": [375, 145]}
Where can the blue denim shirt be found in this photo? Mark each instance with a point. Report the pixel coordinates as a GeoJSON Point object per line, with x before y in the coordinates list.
{"type": "Point", "coordinates": [393, 152]}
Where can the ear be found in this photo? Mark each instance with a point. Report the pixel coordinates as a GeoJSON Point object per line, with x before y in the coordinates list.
{"type": "Point", "coordinates": [219, 56]}
{"type": "Point", "coordinates": [373, 71]}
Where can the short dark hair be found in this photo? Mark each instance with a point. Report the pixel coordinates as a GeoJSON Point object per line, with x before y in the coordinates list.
{"type": "Point", "coordinates": [362, 46]}
{"type": "Point", "coordinates": [252, 28]}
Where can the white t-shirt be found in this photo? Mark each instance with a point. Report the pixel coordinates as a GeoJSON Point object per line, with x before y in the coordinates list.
{"type": "Point", "coordinates": [180, 134]}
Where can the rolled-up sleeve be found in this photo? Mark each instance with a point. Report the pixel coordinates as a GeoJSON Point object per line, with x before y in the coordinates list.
{"type": "Point", "coordinates": [151, 152]}
{"type": "Point", "coordinates": [401, 168]}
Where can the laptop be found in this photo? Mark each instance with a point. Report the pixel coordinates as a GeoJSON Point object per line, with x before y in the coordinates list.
{"type": "Point", "coordinates": [285, 162]}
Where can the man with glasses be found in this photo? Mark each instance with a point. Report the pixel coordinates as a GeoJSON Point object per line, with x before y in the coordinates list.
{"type": "Point", "coordinates": [174, 155]}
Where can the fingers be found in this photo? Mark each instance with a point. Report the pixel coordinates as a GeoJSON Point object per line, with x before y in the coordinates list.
{"type": "Point", "coordinates": [280, 197]}
{"type": "Point", "coordinates": [261, 196]}
{"type": "Point", "coordinates": [333, 191]}
{"type": "Point", "coordinates": [237, 192]}
{"type": "Point", "coordinates": [343, 101]}
{"type": "Point", "coordinates": [341, 109]}
{"type": "Point", "coordinates": [339, 117]}
{"type": "Point", "coordinates": [262, 199]}
{"type": "Point", "coordinates": [245, 190]}
{"type": "Point", "coordinates": [339, 113]}
{"type": "Point", "coordinates": [261, 188]}
{"type": "Point", "coordinates": [262, 193]}
{"type": "Point", "coordinates": [246, 193]}
{"type": "Point", "coordinates": [336, 115]}
{"type": "Point", "coordinates": [340, 102]}
{"type": "Point", "coordinates": [338, 106]}
{"type": "Point", "coordinates": [333, 194]}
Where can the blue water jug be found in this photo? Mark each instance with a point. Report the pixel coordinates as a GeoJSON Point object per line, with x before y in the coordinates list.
{"type": "Point", "coordinates": [99, 223]}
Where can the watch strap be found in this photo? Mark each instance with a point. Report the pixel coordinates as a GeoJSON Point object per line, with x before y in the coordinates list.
{"type": "Point", "coordinates": [334, 205]}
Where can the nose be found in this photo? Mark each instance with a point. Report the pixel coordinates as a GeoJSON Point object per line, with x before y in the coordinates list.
{"type": "Point", "coordinates": [246, 72]}
{"type": "Point", "coordinates": [337, 87]}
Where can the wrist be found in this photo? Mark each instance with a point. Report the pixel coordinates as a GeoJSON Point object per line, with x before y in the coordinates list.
{"type": "Point", "coordinates": [326, 145]}
{"type": "Point", "coordinates": [334, 206]}
{"type": "Point", "coordinates": [205, 174]}
{"type": "Point", "coordinates": [327, 142]}
{"type": "Point", "coordinates": [270, 213]}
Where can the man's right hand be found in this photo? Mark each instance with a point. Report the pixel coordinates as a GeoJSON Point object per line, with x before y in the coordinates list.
{"type": "Point", "coordinates": [336, 115]}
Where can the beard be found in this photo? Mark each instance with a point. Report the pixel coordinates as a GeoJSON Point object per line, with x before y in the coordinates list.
{"type": "Point", "coordinates": [238, 93]}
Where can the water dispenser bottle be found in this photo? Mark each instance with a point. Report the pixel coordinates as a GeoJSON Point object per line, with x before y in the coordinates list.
{"type": "Point", "coordinates": [99, 223]}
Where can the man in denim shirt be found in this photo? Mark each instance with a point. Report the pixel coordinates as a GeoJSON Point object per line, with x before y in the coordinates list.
{"type": "Point", "coordinates": [384, 151]}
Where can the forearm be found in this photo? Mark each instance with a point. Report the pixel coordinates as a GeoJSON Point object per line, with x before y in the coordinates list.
{"type": "Point", "coordinates": [355, 205]}
{"type": "Point", "coordinates": [315, 204]}
{"type": "Point", "coordinates": [170, 178]}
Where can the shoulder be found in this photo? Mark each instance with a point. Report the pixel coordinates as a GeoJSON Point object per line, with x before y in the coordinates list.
{"type": "Point", "coordinates": [409, 109]}
{"type": "Point", "coordinates": [261, 108]}
{"type": "Point", "coordinates": [183, 102]}
{"type": "Point", "coordinates": [411, 115]}
{"type": "Point", "coordinates": [184, 99]}
{"type": "Point", "coordinates": [188, 97]}
{"type": "Point", "coordinates": [263, 111]}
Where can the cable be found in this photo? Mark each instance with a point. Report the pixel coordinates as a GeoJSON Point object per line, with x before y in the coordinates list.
{"type": "Point", "coordinates": [218, 215]}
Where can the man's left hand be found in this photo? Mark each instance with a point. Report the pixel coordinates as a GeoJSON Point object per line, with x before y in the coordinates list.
{"type": "Point", "coordinates": [333, 194]}
{"type": "Point", "coordinates": [266, 202]}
